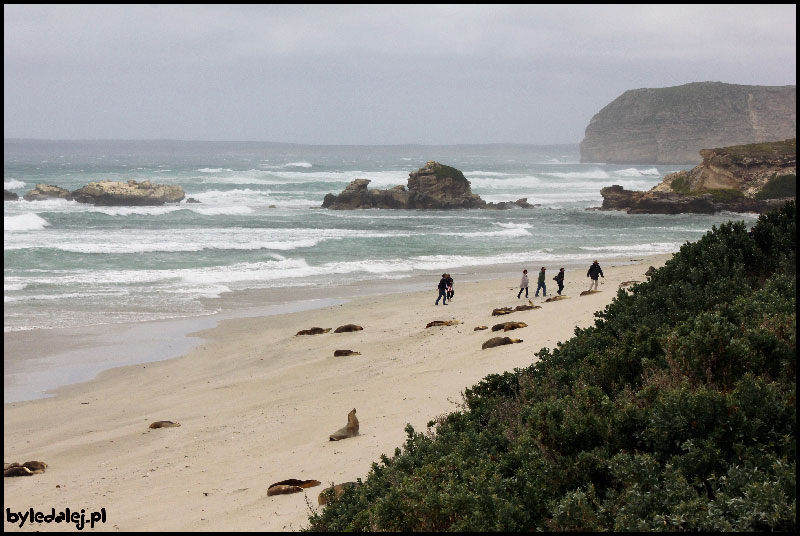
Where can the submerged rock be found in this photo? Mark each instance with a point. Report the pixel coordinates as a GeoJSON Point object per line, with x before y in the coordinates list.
{"type": "Point", "coordinates": [47, 191]}
{"type": "Point", "coordinates": [9, 196]}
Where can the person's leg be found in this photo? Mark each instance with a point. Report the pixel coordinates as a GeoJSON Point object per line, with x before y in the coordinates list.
{"type": "Point", "coordinates": [520, 292]}
{"type": "Point", "coordinates": [544, 289]}
{"type": "Point", "coordinates": [439, 297]}
{"type": "Point", "coordinates": [526, 292]}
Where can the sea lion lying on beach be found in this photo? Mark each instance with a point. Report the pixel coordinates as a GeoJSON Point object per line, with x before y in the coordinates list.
{"type": "Point", "coordinates": [586, 292]}
{"type": "Point", "coordinates": [164, 424]}
{"type": "Point", "coordinates": [347, 328]}
{"type": "Point", "coordinates": [442, 323]}
{"type": "Point", "coordinates": [557, 298]}
{"type": "Point", "coordinates": [499, 341]}
{"type": "Point", "coordinates": [526, 307]}
{"type": "Point", "coordinates": [291, 485]}
{"type": "Point", "coordinates": [25, 469]}
{"type": "Point", "coordinates": [479, 328]}
{"type": "Point", "coordinates": [312, 331]}
{"type": "Point", "coordinates": [502, 311]}
{"type": "Point", "coordinates": [340, 353]}
{"type": "Point", "coordinates": [351, 430]}
{"type": "Point", "coordinates": [337, 491]}
{"type": "Point", "coordinates": [507, 326]}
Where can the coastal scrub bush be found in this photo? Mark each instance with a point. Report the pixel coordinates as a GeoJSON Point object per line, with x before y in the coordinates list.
{"type": "Point", "coordinates": [676, 410]}
{"type": "Point", "coordinates": [779, 186]}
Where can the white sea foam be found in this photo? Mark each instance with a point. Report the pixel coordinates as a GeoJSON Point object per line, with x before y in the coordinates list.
{"type": "Point", "coordinates": [221, 211]}
{"type": "Point", "coordinates": [24, 222]}
{"type": "Point", "coordinates": [298, 164]}
{"type": "Point", "coordinates": [649, 248]}
{"type": "Point", "coordinates": [633, 172]}
{"type": "Point", "coordinates": [7, 287]}
{"type": "Point", "coordinates": [517, 181]}
{"type": "Point", "coordinates": [512, 225]}
{"type": "Point", "coordinates": [593, 174]}
{"type": "Point", "coordinates": [12, 184]}
{"type": "Point", "coordinates": [509, 233]}
{"type": "Point", "coordinates": [486, 174]}
{"type": "Point", "coordinates": [213, 170]}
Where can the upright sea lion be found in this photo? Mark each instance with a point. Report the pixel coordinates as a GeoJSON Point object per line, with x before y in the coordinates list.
{"type": "Point", "coordinates": [336, 490]}
{"type": "Point", "coordinates": [312, 331]}
{"type": "Point", "coordinates": [36, 467]}
{"type": "Point", "coordinates": [650, 271]}
{"type": "Point", "coordinates": [351, 430]}
{"type": "Point", "coordinates": [507, 326]}
{"type": "Point", "coordinates": [347, 328]}
{"type": "Point", "coordinates": [164, 424]}
{"type": "Point", "coordinates": [340, 353]}
{"type": "Point", "coordinates": [499, 341]}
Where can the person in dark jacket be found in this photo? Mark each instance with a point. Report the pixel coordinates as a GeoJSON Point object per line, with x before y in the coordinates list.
{"type": "Point", "coordinates": [540, 284]}
{"type": "Point", "coordinates": [594, 272]}
{"type": "Point", "coordinates": [559, 278]}
{"type": "Point", "coordinates": [442, 290]}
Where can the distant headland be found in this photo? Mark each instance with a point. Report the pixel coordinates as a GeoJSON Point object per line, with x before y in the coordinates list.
{"type": "Point", "coordinates": [670, 125]}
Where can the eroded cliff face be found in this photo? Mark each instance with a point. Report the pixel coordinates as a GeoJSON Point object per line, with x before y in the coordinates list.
{"type": "Point", "coordinates": [671, 125]}
{"type": "Point", "coordinates": [728, 178]}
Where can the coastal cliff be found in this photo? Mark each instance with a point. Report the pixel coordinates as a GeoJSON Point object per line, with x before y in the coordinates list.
{"type": "Point", "coordinates": [670, 125]}
{"type": "Point", "coordinates": [434, 186]}
{"type": "Point", "coordinates": [743, 178]}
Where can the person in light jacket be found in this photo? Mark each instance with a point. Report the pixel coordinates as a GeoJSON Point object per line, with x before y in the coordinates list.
{"type": "Point", "coordinates": [523, 284]}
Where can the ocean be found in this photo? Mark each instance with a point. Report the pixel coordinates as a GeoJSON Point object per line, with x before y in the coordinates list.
{"type": "Point", "coordinates": [259, 229]}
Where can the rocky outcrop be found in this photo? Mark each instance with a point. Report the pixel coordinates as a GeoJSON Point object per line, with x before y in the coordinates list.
{"type": "Point", "coordinates": [131, 193]}
{"type": "Point", "coordinates": [670, 125]}
{"type": "Point", "coordinates": [730, 178]}
{"type": "Point", "coordinates": [47, 191]}
{"type": "Point", "coordinates": [9, 196]}
{"type": "Point", "coordinates": [434, 186]}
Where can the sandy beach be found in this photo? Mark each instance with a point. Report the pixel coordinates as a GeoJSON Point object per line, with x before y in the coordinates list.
{"type": "Point", "coordinates": [256, 404]}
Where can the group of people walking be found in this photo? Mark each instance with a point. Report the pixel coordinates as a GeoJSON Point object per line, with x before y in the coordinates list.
{"type": "Point", "coordinates": [594, 272]}
{"type": "Point", "coordinates": [446, 283]}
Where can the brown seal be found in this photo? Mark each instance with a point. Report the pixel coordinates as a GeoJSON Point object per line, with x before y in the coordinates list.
{"type": "Point", "coordinates": [442, 323]}
{"type": "Point", "coordinates": [347, 328]}
{"type": "Point", "coordinates": [336, 491]}
{"type": "Point", "coordinates": [502, 311]}
{"type": "Point", "coordinates": [164, 424]}
{"type": "Point", "coordinates": [479, 328]}
{"type": "Point", "coordinates": [499, 341]}
{"type": "Point", "coordinates": [586, 292]}
{"type": "Point", "coordinates": [340, 353]}
{"type": "Point", "coordinates": [351, 430]}
{"type": "Point", "coordinates": [526, 307]}
{"type": "Point", "coordinates": [557, 298]}
{"type": "Point", "coordinates": [25, 469]}
{"type": "Point", "coordinates": [291, 485]}
{"type": "Point", "coordinates": [312, 331]}
{"type": "Point", "coordinates": [507, 326]}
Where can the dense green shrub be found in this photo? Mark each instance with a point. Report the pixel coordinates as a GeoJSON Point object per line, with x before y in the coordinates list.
{"type": "Point", "coordinates": [778, 187]}
{"type": "Point", "coordinates": [676, 410]}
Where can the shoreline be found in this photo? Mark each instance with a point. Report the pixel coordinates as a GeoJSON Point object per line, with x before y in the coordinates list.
{"type": "Point", "coordinates": [34, 370]}
{"type": "Point", "coordinates": [256, 405]}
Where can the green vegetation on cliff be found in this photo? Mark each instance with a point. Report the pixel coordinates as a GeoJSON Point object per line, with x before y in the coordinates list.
{"type": "Point", "coordinates": [779, 187]}
{"type": "Point", "coordinates": [761, 151]}
{"type": "Point", "coordinates": [676, 410]}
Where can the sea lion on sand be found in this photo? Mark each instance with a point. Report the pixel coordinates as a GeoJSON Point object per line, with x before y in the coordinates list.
{"type": "Point", "coordinates": [479, 328]}
{"type": "Point", "coordinates": [337, 491]}
{"type": "Point", "coordinates": [587, 292]}
{"type": "Point", "coordinates": [502, 311]}
{"type": "Point", "coordinates": [526, 307]}
{"type": "Point", "coordinates": [507, 326]}
{"type": "Point", "coordinates": [650, 271]}
{"type": "Point", "coordinates": [25, 469]}
{"type": "Point", "coordinates": [499, 341]}
{"type": "Point", "coordinates": [347, 328]}
{"type": "Point", "coordinates": [340, 353]}
{"type": "Point", "coordinates": [351, 430]}
{"type": "Point", "coordinates": [557, 298]}
{"type": "Point", "coordinates": [164, 424]}
{"type": "Point", "coordinates": [442, 323]}
{"type": "Point", "coordinates": [313, 331]}
{"type": "Point", "coordinates": [291, 485]}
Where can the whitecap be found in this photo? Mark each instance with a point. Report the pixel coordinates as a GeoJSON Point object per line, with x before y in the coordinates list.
{"type": "Point", "coordinates": [298, 164]}
{"type": "Point", "coordinates": [12, 184]}
{"type": "Point", "coordinates": [633, 172]}
{"type": "Point", "coordinates": [213, 170]}
{"type": "Point", "coordinates": [24, 222]}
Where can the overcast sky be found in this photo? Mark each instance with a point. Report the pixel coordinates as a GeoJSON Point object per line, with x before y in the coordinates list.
{"type": "Point", "coordinates": [359, 74]}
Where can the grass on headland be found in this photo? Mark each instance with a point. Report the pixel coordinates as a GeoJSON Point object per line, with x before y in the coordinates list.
{"type": "Point", "coordinates": [676, 410]}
